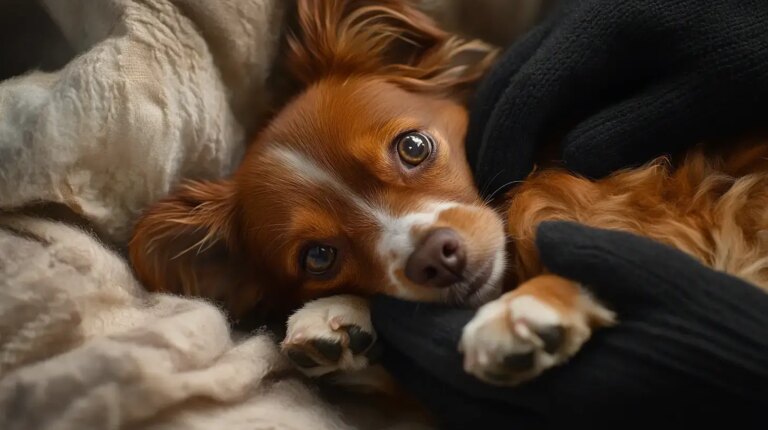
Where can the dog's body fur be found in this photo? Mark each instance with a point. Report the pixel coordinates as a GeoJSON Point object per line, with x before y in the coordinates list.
{"type": "Point", "coordinates": [325, 171]}
{"type": "Point", "coordinates": [711, 204]}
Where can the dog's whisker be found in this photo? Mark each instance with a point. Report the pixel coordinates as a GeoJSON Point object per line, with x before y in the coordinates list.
{"type": "Point", "coordinates": [485, 188]}
{"type": "Point", "coordinates": [502, 187]}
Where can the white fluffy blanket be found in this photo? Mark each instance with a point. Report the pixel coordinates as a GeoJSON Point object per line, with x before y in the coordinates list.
{"type": "Point", "coordinates": [83, 346]}
{"type": "Point", "coordinates": [162, 89]}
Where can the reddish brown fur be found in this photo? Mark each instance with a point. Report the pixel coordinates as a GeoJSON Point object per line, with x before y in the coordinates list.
{"type": "Point", "coordinates": [712, 206]}
{"type": "Point", "coordinates": [387, 38]}
{"type": "Point", "coordinates": [237, 240]}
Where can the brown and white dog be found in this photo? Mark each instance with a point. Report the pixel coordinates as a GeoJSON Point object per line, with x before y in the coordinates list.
{"type": "Point", "coordinates": [360, 185]}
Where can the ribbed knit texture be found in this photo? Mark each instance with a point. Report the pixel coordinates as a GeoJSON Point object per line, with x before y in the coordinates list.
{"type": "Point", "coordinates": [691, 346]}
{"type": "Point", "coordinates": [625, 81]}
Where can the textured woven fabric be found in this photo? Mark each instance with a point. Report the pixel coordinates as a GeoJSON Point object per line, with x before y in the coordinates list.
{"type": "Point", "coordinates": [161, 90]}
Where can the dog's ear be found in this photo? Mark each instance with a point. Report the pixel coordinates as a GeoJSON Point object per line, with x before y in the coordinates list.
{"type": "Point", "coordinates": [185, 244]}
{"type": "Point", "coordinates": [388, 38]}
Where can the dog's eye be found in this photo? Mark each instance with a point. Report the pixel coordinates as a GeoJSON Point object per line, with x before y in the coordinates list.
{"type": "Point", "coordinates": [318, 259]}
{"type": "Point", "coordinates": [413, 148]}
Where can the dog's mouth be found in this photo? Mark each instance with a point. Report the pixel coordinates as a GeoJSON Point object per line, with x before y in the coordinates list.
{"type": "Point", "coordinates": [479, 286]}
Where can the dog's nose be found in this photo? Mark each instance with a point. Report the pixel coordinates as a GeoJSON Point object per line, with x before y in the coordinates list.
{"type": "Point", "coordinates": [438, 261]}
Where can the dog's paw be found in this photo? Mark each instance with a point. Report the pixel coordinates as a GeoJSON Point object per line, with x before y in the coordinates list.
{"type": "Point", "coordinates": [520, 335]}
{"type": "Point", "coordinates": [331, 334]}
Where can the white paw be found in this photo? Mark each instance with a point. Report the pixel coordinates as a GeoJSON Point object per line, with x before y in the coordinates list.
{"type": "Point", "coordinates": [330, 334]}
{"type": "Point", "coordinates": [516, 337]}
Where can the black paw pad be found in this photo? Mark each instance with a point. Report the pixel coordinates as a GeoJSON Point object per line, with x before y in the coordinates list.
{"type": "Point", "coordinates": [552, 336]}
{"type": "Point", "coordinates": [520, 362]}
{"type": "Point", "coordinates": [359, 340]}
{"type": "Point", "coordinates": [329, 349]}
{"type": "Point", "coordinates": [301, 359]}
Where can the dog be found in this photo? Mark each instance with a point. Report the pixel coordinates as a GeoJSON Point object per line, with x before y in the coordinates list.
{"type": "Point", "coordinates": [359, 185]}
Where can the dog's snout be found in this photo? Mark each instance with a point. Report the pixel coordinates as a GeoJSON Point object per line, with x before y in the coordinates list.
{"type": "Point", "coordinates": [438, 261]}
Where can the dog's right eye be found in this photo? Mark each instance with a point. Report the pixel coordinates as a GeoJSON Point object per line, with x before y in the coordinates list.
{"type": "Point", "coordinates": [319, 259]}
{"type": "Point", "coordinates": [413, 148]}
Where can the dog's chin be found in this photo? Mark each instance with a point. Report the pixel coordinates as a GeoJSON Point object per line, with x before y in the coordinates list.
{"type": "Point", "coordinates": [484, 286]}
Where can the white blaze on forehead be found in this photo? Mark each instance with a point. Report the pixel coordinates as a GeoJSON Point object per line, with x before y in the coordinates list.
{"type": "Point", "coordinates": [395, 240]}
{"type": "Point", "coordinates": [308, 170]}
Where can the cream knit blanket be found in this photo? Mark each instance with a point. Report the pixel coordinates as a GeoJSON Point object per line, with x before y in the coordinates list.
{"type": "Point", "coordinates": [161, 90]}
{"type": "Point", "coordinates": [83, 346]}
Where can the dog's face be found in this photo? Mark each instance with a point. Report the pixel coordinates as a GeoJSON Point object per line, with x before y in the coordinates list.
{"type": "Point", "coordinates": [359, 185]}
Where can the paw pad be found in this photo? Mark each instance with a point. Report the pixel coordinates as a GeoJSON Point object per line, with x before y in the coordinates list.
{"type": "Point", "coordinates": [359, 340]}
{"type": "Point", "coordinates": [301, 359]}
{"type": "Point", "coordinates": [348, 347]}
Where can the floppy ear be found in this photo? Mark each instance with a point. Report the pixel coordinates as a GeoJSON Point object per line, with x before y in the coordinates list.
{"type": "Point", "coordinates": [185, 244]}
{"type": "Point", "coordinates": [387, 38]}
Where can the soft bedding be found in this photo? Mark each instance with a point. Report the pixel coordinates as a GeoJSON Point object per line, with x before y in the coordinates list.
{"type": "Point", "coordinates": [161, 90]}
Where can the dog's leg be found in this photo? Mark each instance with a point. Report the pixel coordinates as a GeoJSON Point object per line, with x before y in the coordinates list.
{"type": "Point", "coordinates": [539, 325]}
{"type": "Point", "coordinates": [332, 335]}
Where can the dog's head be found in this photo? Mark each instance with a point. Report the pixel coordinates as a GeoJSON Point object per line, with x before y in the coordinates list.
{"type": "Point", "coordinates": [359, 184]}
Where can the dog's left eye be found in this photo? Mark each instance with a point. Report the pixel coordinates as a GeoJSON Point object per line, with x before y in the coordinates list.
{"type": "Point", "coordinates": [319, 259]}
{"type": "Point", "coordinates": [413, 148]}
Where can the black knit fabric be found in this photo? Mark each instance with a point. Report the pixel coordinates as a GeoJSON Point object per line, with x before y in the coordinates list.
{"type": "Point", "coordinates": [691, 346]}
{"type": "Point", "coordinates": [624, 81]}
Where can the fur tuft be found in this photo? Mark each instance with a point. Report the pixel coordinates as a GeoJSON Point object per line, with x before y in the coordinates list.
{"type": "Point", "coordinates": [385, 38]}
